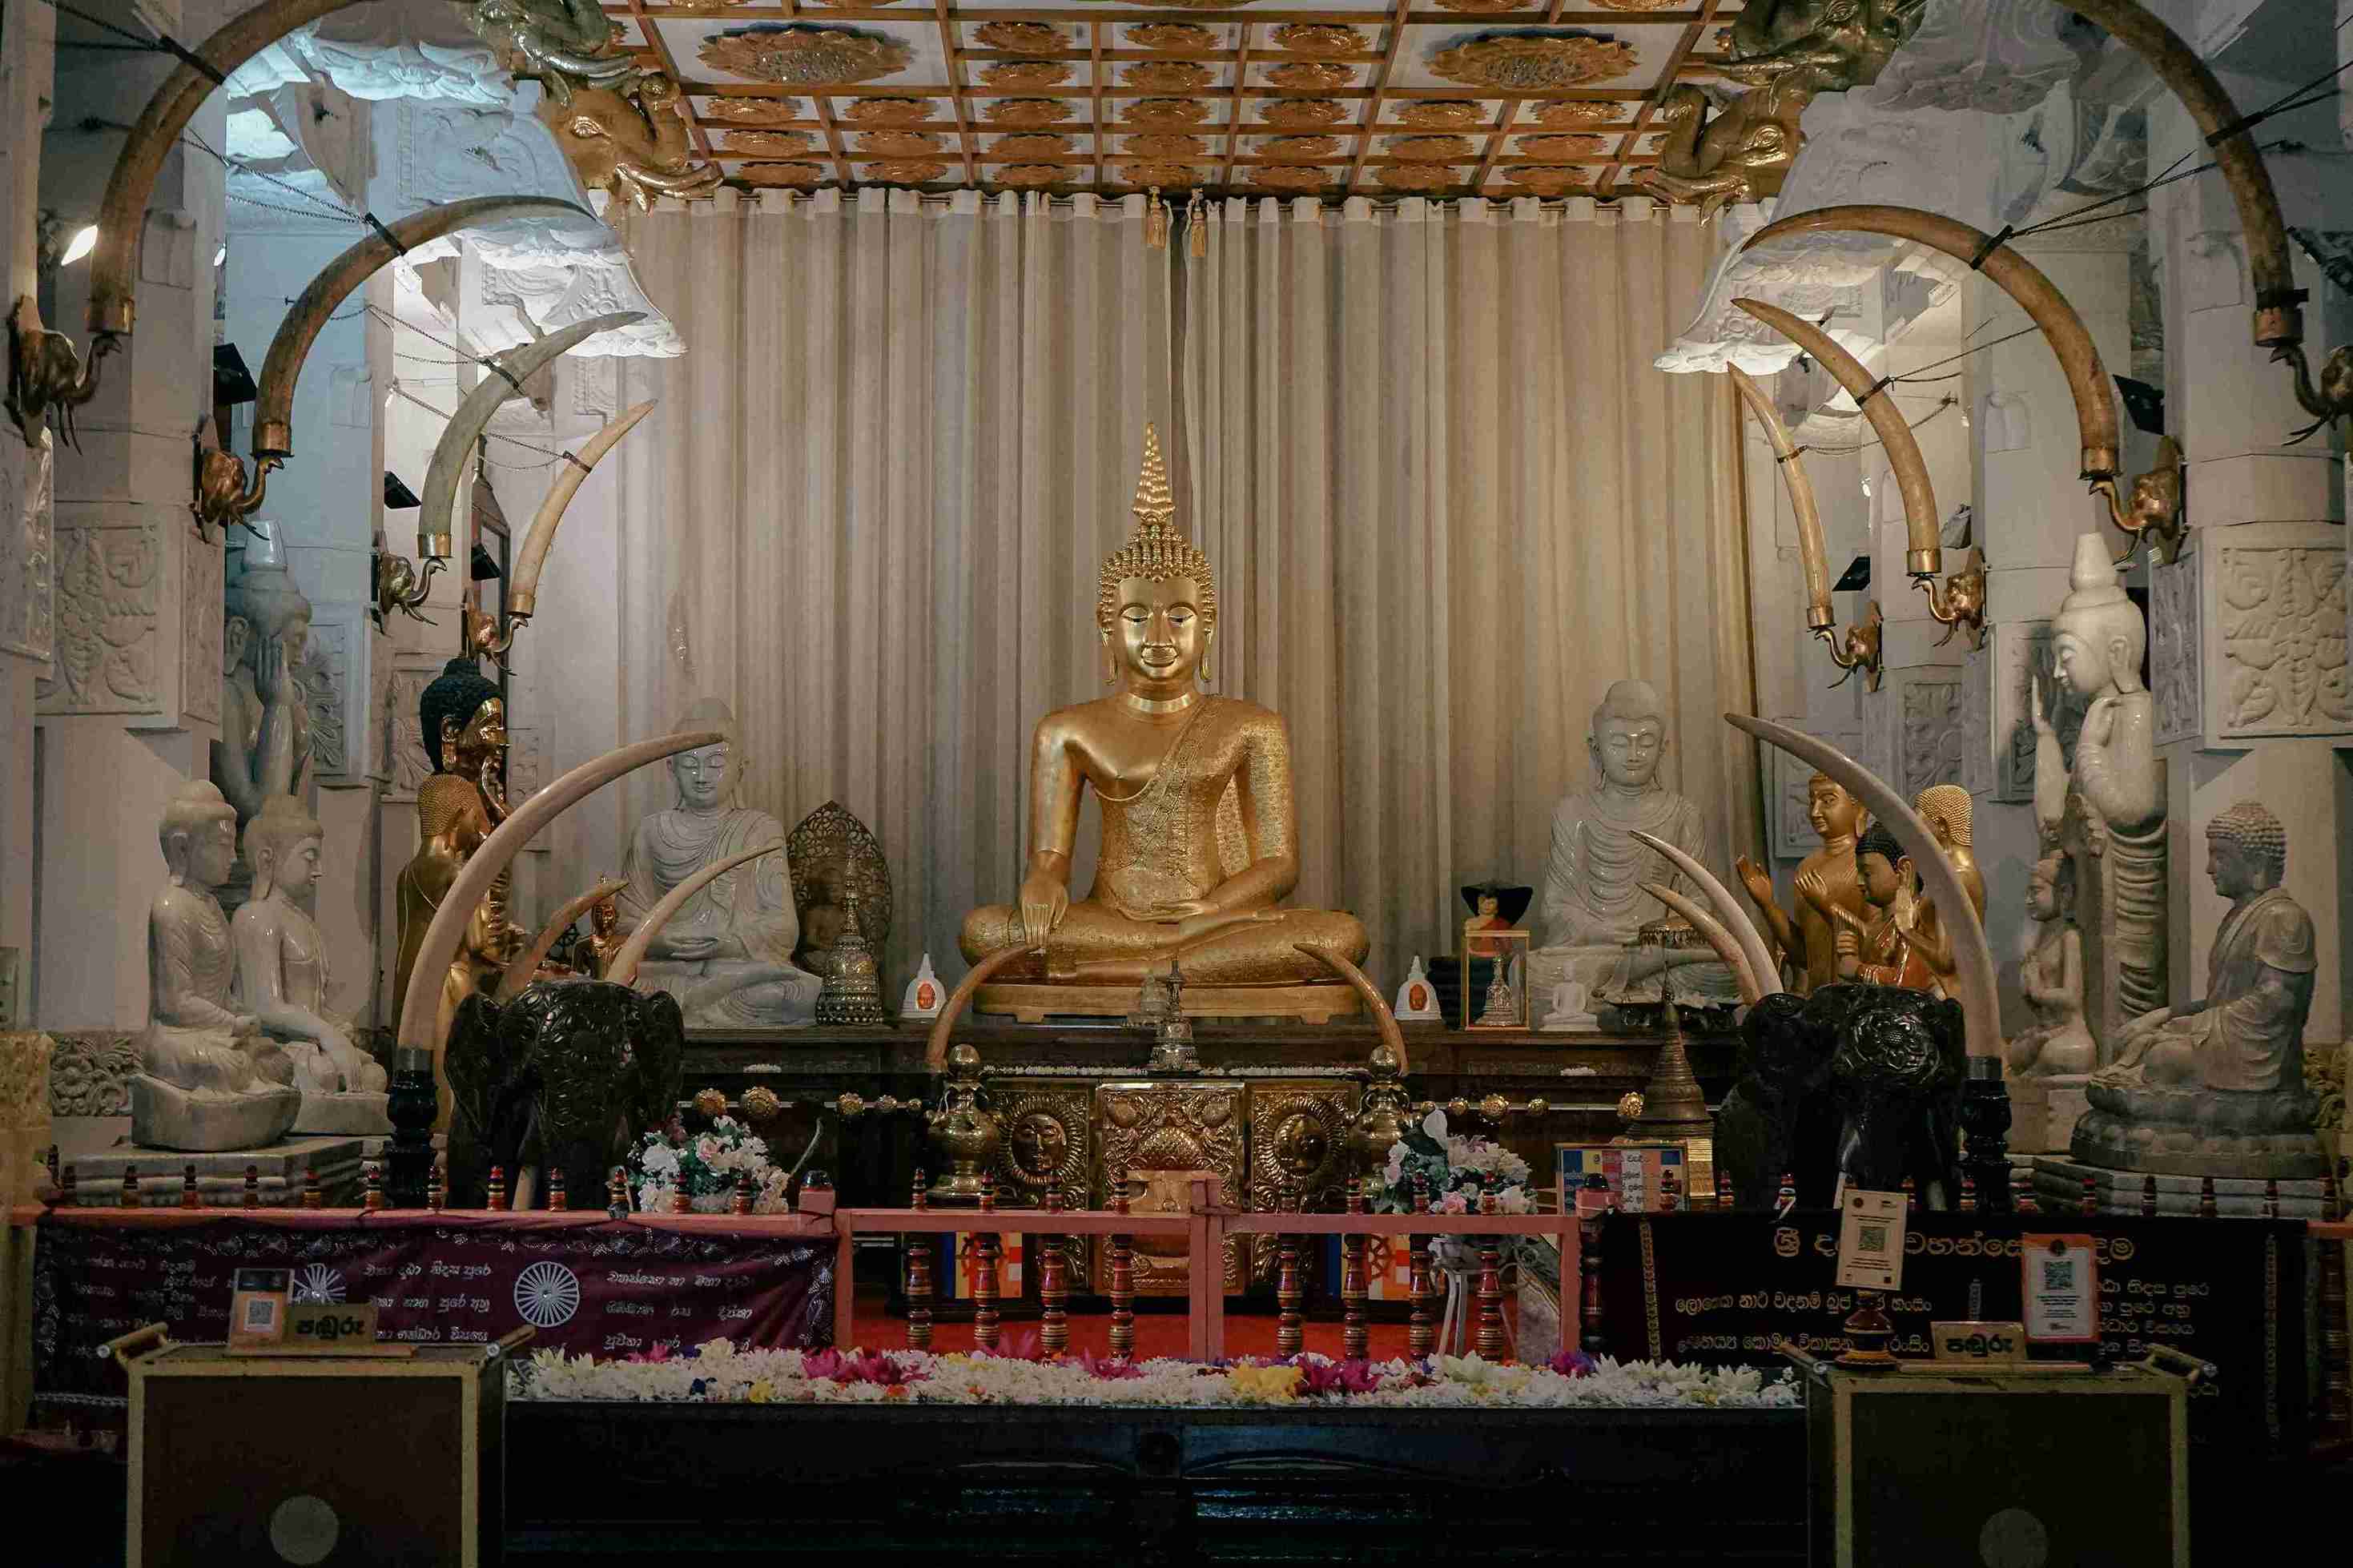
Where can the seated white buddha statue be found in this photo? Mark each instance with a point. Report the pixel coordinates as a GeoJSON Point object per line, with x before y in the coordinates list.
{"type": "Point", "coordinates": [282, 980]}
{"type": "Point", "coordinates": [208, 1079]}
{"type": "Point", "coordinates": [726, 954]}
{"type": "Point", "coordinates": [1593, 899]}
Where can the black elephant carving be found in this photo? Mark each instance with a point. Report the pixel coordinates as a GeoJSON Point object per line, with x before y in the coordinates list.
{"type": "Point", "coordinates": [566, 1077]}
{"type": "Point", "coordinates": [1855, 1082]}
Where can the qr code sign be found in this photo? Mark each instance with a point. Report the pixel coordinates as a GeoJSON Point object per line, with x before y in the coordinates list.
{"type": "Point", "coordinates": [260, 1316]}
{"type": "Point", "coordinates": [2058, 1275]}
{"type": "Point", "coordinates": [1874, 1237]}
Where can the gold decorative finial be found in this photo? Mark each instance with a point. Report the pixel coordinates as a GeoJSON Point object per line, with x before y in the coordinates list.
{"type": "Point", "coordinates": [1153, 501]}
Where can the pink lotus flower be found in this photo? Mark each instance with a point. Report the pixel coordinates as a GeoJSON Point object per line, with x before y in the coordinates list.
{"type": "Point", "coordinates": [877, 1367]}
{"type": "Point", "coordinates": [660, 1351]}
{"type": "Point", "coordinates": [1109, 1369]}
{"type": "Point", "coordinates": [1023, 1349]}
{"type": "Point", "coordinates": [1338, 1377]}
{"type": "Point", "coordinates": [825, 1364]}
{"type": "Point", "coordinates": [1571, 1363]}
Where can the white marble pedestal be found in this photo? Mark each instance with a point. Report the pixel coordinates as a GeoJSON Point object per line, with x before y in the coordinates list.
{"type": "Point", "coordinates": [2059, 1189]}
{"type": "Point", "coordinates": [2044, 1110]}
{"type": "Point", "coordinates": [96, 1149]}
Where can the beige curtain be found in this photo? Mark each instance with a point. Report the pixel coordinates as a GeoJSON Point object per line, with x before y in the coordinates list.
{"type": "Point", "coordinates": [1447, 498]}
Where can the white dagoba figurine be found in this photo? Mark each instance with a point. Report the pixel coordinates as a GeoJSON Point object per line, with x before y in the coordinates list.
{"type": "Point", "coordinates": [282, 980]}
{"type": "Point", "coordinates": [207, 1079]}
{"type": "Point", "coordinates": [1417, 999]}
{"type": "Point", "coordinates": [924, 994]}
{"type": "Point", "coordinates": [726, 954]}
{"type": "Point", "coordinates": [1593, 899]}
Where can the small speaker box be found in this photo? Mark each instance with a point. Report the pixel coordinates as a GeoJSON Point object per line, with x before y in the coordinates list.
{"type": "Point", "coordinates": [2007, 1468]}
{"type": "Point", "coordinates": [316, 1460]}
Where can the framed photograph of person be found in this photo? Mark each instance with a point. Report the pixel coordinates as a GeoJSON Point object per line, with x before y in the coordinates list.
{"type": "Point", "coordinates": [1495, 969]}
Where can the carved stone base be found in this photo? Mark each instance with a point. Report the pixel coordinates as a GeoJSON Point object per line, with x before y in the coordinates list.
{"type": "Point", "coordinates": [2200, 1132]}
{"type": "Point", "coordinates": [2043, 1112]}
{"type": "Point", "coordinates": [1035, 1004]}
{"type": "Point", "coordinates": [221, 1176]}
{"type": "Point", "coordinates": [357, 1114]}
{"type": "Point", "coordinates": [2059, 1188]}
{"type": "Point", "coordinates": [164, 1116]}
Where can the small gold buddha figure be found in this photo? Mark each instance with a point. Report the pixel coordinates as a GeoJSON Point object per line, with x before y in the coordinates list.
{"type": "Point", "coordinates": [465, 725]}
{"type": "Point", "coordinates": [1200, 827]}
{"type": "Point", "coordinates": [1813, 944]}
{"type": "Point", "coordinates": [1949, 813]}
{"type": "Point", "coordinates": [1884, 952]}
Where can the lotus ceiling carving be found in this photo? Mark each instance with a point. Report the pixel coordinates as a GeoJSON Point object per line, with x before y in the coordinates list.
{"type": "Point", "coordinates": [801, 56]}
{"type": "Point", "coordinates": [1532, 62]}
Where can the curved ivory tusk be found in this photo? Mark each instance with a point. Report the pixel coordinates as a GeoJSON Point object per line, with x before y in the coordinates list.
{"type": "Point", "coordinates": [1924, 557]}
{"type": "Point", "coordinates": [2079, 356]}
{"type": "Point", "coordinates": [273, 410]}
{"type": "Point", "coordinates": [123, 217]}
{"type": "Point", "coordinates": [419, 1010]}
{"type": "Point", "coordinates": [623, 970]}
{"type": "Point", "coordinates": [2279, 320]}
{"type": "Point", "coordinates": [1384, 1019]}
{"type": "Point", "coordinates": [436, 522]}
{"type": "Point", "coordinates": [526, 964]}
{"type": "Point", "coordinates": [1813, 552]}
{"type": "Point", "coordinates": [1712, 930]}
{"type": "Point", "coordinates": [1972, 959]}
{"type": "Point", "coordinates": [523, 586]}
{"type": "Point", "coordinates": [1736, 919]}
{"type": "Point", "coordinates": [935, 1049]}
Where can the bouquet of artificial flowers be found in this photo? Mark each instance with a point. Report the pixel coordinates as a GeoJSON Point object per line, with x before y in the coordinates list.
{"type": "Point", "coordinates": [1457, 1170]}
{"type": "Point", "coordinates": [705, 1166]}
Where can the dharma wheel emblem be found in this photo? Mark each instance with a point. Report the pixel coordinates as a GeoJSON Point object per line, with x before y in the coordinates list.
{"type": "Point", "coordinates": [547, 1294]}
{"type": "Point", "coordinates": [319, 1283]}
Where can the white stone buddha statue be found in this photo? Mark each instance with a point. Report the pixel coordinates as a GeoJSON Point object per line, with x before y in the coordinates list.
{"type": "Point", "coordinates": [282, 979]}
{"type": "Point", "coordinates": [264, 749]}
{"type": "Point", "coordinates": [726, 954]}
{"type": "Point", "coordinates": [207, 1078]}
{"type": "Point", "coordinates": [1593, 898]}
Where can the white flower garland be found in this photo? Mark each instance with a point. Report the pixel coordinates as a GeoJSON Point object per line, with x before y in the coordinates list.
{"type": "Point", "coordinates": [720, 1373]}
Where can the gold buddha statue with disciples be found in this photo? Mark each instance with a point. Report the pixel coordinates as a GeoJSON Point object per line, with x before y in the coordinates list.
{"type": "Point", "coordinates": [1200, 830]}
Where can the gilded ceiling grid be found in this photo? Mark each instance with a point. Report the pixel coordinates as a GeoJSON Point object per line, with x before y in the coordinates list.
{"type": "Point", "coordinates": [1371, 118]}
{"type": "Point", "coordinates": [1098, 160]}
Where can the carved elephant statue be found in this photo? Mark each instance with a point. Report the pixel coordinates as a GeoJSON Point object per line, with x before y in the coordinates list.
{"type": "Point", "coordinates": [567, 1076]}
{"type": "Point", "coordinates": [1856, 1081]}
{"type": "Point", "coordinates": [563, 42]}
{"type": "Point", "coordinates": [630, 142]}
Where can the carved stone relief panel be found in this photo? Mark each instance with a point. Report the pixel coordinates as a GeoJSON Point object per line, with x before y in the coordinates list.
{"type": "Point", "coordinates": [1932, 711]}
{"type": "Point", "coordinates": [1048, 1137]}
{"type": "Point", "coordinates": [403, 735]}
{"type": "Point", "coordinates": [89, 1072]}
{"type": "Point", "coordinates": [2175, 655]}
{"type": "Point", "coordinates": [1793, 834]}
{"type": "Point", "coordinates": [1175, 1127]}
{"type": "Point", "coordinates": [201, 627]}
{"type": "Point", "coordinates": [27, 614]}
{"type": "Point", "coordinates": [109, 579]}
{"type": "Point", "coordinates": [329, 688]}
{"type": "Point", "coordinates": [527, 765]}
{"type": "Point", "coordinates": [2280, 629]}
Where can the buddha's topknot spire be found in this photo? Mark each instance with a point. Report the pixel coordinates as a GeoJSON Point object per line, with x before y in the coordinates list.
{"type": "Point", "coordinates": [1156, 552]}
{"type": "Point", "coordinates": [1153, 503]}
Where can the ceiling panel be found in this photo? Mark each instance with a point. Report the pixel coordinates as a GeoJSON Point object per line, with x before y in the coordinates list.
{"type": "Point", "coordinates": [1371, 97]}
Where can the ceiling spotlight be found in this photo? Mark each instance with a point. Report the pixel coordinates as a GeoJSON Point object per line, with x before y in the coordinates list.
{"type": "Point", "coordinates": [83, 243]}
{"type": "Point", "coordinates": [220, 255]}
{"type": "Point", "coordinates": [483, 567]}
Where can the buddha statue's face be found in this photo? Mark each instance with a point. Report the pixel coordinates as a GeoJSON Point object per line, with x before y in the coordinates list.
{"type": "Point", "coordinates": [2041, 895]}
{"type": "Point", "coordinates": [703, 776]}
{"type": "Point", "coordinates": [1835, 813]}
{"type": "Point", "coordinates": [1159, 632]}
{"type": "Point", "coordinates": [483, 741]}
{"type": "Point", "coordinates": [207, 850]}
{"type": "Point", "coordinates": [2086, 653]}
{"type": "Point", "coordinates": [293, 871]}
{"type": "Point", "coordinates": [2238, 870]}
{"type": "Point", "coordinates": [1628, 750]}
{"type": "Point", "coordinates": [1880, 881]}
{"type": "Point", "coordinates": [1488, 906]}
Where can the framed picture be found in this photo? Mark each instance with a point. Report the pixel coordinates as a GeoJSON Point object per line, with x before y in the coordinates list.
{"type": "Point", "coordinates": [1635, 1174]}
{"type": "Point", "coordinates": [1494, 976]}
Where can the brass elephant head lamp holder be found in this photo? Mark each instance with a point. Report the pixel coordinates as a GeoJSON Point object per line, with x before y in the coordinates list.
{"type": "Point", "coordinates": [1958, 602]}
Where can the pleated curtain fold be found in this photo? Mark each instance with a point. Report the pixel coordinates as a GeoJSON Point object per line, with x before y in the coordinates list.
{"type": "Point", "coordinates": [1446, 496]}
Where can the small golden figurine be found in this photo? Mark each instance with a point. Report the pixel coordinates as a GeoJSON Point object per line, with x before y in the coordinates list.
{"type": "Point", "coordinates": [464, 721]}
{"type": "Point", "coordinates": [1199, 826]}
{"type": "Point", "coordinates": [1884, 954]}
{"type": "Point", "coordinates": [1812, 942]}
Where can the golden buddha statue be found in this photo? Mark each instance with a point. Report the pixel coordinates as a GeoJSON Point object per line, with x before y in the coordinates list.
{"type": "Point", "coordinates": [464, 721]}
{"type": "Point", "coordinates": [1200, 827]}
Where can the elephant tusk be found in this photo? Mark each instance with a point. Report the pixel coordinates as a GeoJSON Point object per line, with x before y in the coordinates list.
{"type": "Point", "coordinates": [1972, 959]}
{"type": "Point", "coordinates": [935, 1049]}
{"type": "Point", "coordinates": [436, 522]}
{"type": "Point", "coordinates": [1384, 1019]}
{"type": "Point", "coordinates": [1813, 552]}
{"type": "Point", "coordinates": [122, 216]}
{"type": "Point", "coordinates": [1712, 930]}
{"type": "Point", "coordinates": [623, 970]}
{"type": "Point", "coordinates": [273, 411]}
{"type": "Point", "coordinates": [526, 964]}
{"type": "Point", "coordinates": [419, 1010]}
{"type": "Point", "coordinates": [2079, 356]}
{"type": "Point", "coordinates": [522, 587]}
{"type": "Point", "coordinates": [1926, 556]}
{"type": "Point", "coordinates": [1736, 918]}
